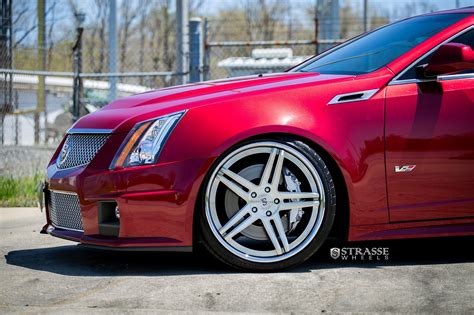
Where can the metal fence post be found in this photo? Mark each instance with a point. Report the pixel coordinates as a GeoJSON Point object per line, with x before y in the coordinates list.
{"type": "Point", "coordinates": [316, 33]}
{"type": "Point", "coordinates": [6, 61]}
{"type": "Point", "coordinates": [17, 121]}
{"type": "Point", "coordinates": [182, 41]}
{"type": "Point", "coordinates": [195, 50]}
{"type": "Point", "coordinates": [41, 96]}
{"type": "Point", "coordinates": [366, 16]}
{"type": "Point", "coordinates": [112, 49]}
{"type": "Point", "coordinates": [327, 12]}
{"type": "Point", "coordinates": [77, 84]}
{"type": "Point", "coordinates": [207, 52]}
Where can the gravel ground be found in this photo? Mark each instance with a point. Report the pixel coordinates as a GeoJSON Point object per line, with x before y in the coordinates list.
{"type": "Point", "coordinates": [42, 274]}
{"type": "Point", "coordinates": [20, 161]}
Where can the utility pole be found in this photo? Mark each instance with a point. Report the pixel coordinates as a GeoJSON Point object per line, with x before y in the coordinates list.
{"type": "Point", "coordinates": [41, 95]}
{"type": "Point", "coordinates": [112, 49]}
{"type": "Point", "coordinates": [366, 16]}
{"type": "Point", "coordinates": [458, 3]}
{"type": "Point", "coordinates": [182, 40]}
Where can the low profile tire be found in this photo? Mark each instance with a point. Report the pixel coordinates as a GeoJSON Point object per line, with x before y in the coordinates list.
{"type": "Point", "coordinates": [267, 205]}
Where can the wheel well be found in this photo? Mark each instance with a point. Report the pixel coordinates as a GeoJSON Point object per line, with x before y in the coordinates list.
{"type": "Point", "coordinates": [340, 228]}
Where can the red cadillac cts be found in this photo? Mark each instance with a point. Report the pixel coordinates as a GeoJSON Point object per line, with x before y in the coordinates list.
{"type": "Point", "coordinates": [373, 139]}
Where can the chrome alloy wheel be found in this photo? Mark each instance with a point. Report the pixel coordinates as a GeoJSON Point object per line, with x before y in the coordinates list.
{"type": "Point", "coordinates": [263, 218]}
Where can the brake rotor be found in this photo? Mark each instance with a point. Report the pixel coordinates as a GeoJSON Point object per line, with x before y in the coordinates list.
{"type": "Point", "coordinates": [232, 205]}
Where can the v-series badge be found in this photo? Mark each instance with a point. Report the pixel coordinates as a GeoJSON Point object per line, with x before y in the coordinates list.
{"type": "Point", "coordinates": [404, 168]}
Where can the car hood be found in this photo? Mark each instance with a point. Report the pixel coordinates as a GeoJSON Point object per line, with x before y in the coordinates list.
{"type": "Point", "coordinates": [122, 114]}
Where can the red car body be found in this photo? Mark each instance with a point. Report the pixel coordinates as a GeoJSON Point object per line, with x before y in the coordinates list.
{"type": "Point", "coordinates": [402, 124]}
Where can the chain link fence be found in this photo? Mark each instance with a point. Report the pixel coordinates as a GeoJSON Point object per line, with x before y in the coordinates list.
{"type": "Point", "coordinates": [257, 43]}
{"type": "Point", "coordinates": [38, 106]}
{"type": "Point", "coordinates": [296, 30]}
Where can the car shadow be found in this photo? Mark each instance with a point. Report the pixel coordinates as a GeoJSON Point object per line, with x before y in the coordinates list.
{"type": "Point", "coordinates": [73, 260]}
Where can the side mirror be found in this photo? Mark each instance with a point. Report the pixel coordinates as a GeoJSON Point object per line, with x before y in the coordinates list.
{"type": "Point", "coordinates": [449, 58]}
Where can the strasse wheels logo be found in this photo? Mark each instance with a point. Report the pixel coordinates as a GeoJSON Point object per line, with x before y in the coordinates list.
{"type": "Point", "coordinates": [335, 253]}
{"type": "Point", "coordinates": [360, 253]}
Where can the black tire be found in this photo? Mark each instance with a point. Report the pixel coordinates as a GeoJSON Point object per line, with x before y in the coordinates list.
{"type": "Point", "coordinates": [220, 252]}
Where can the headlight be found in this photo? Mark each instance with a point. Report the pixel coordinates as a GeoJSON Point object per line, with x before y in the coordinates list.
{"type": "Point", "coordinates": [145, 141]}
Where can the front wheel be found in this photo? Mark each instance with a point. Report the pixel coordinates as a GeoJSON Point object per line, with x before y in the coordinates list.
{"type": "Point", "coordinates": [267, 205]}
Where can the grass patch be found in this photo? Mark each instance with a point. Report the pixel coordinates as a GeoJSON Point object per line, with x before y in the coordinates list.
{"type": "Point", "coordinates": [19, 192]}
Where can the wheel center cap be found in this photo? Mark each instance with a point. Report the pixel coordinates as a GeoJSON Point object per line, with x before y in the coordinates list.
{"type": "Point", "coordinates": [265, 201]}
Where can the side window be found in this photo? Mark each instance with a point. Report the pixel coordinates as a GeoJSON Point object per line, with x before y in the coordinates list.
{"type": "Point", "coordinates": [466, 39]}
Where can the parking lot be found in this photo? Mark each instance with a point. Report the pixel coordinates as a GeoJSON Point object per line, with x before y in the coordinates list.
{"type": "Point", "coordinates": [42, 274]}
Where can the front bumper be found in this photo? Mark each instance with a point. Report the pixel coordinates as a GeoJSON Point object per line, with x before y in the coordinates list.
{"type": "Point", "coordinates": [156, 202]}
{"type": "Point", "coordinates": [114, 243]}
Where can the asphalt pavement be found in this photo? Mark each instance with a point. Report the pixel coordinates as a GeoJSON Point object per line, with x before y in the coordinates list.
{"type": "Point", "coordinates": [42, 274]}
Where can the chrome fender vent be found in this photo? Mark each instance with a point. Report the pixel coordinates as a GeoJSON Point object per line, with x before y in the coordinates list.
{"type": "Point", "coordinates": [353, 97]}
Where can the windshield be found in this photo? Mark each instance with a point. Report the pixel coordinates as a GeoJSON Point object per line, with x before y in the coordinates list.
{"type": "Point", "coordinates": [376, 49]}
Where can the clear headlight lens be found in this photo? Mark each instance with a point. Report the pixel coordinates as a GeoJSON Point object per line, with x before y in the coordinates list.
{"type": "Point", "coordinates": [145, 141]}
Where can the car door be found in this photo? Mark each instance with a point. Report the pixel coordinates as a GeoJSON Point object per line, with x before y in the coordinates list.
{"type": "Point", "coordinates": [430, 144]}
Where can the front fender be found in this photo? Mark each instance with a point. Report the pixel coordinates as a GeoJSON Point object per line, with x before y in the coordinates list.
{"type": "Point", "coordinates": [351, 133]}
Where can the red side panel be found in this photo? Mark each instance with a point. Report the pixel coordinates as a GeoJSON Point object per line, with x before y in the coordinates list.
{"type": "Point", "coordinates": [430, 125]}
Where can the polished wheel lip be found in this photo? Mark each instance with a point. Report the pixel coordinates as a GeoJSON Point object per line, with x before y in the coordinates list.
{"type": "Point", "coordinates": [314, 224]}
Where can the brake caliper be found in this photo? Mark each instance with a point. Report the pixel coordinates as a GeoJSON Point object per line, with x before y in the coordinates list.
{"type": "Point", "coordinates": [292, 185]}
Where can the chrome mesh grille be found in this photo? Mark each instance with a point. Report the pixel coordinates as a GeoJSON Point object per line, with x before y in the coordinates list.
{"type": "Point", "coordinates": [64, 210]}
{"type": "Point", "coordinates": [80, 149]}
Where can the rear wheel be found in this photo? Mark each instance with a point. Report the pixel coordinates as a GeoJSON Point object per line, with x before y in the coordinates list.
{"type": "Point", "coordinates": [268, 205]}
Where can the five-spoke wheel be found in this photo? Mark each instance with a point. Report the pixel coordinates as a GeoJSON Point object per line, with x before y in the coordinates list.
{"type": "Point", "coordinates": [264, 204]}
